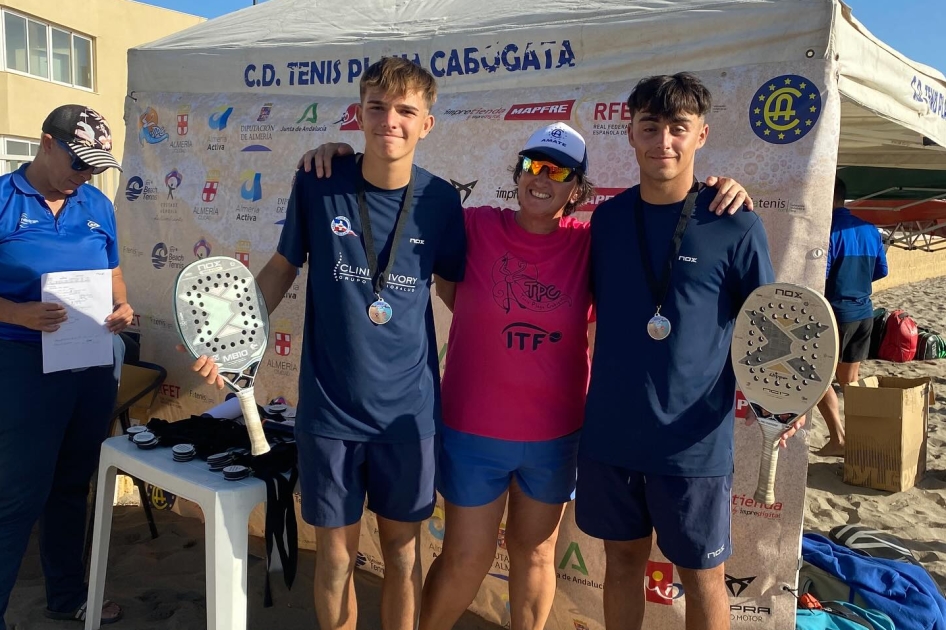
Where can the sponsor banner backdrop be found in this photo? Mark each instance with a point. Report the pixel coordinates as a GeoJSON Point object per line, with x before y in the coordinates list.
{"type": "Point", "coordinates": [210, 175]}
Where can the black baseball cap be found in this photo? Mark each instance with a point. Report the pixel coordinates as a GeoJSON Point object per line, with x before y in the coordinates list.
{"type": "Point", "coordinates": [85, 132]}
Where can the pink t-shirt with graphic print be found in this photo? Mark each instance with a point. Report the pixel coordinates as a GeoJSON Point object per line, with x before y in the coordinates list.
{"type": "Point", "coordinates": [517, 356]}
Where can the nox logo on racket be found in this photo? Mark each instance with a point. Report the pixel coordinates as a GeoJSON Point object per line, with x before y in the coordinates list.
{"type": "Point", "coordinates": [791, 294]}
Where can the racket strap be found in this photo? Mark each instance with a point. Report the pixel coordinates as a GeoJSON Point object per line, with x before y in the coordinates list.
{"type": "Point", "coordinates": [281, 529]}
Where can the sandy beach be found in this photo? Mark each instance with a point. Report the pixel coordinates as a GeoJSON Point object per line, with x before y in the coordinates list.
{"type": "Point", "coordinates": [918, 516]}
{"type": "Point", "coordinates": [161, 584]}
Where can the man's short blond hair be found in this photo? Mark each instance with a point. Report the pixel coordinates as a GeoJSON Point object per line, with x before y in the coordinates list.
{"type": "Point", "coordinates": [398, 76]}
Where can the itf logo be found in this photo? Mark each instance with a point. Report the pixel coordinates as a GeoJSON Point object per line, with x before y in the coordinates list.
{"type": "Point", "coordinates": [218, 119]}
{"type": "Point", "coordinates": [251, 189]}
{"type": "Point", "coordinates": [159, 255]}
{"type": "Point", "coordinates": [134, 188]}
{"type": "Point", "coordinates": [785, 109]}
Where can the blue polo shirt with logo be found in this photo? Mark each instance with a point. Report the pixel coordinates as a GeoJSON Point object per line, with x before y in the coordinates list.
{"type": "Point", "coordinates": [359, 380]}
{"type": "Point", "coordinates": [82, 236]}
{"type": "Point", "coordinates": [666, 407]}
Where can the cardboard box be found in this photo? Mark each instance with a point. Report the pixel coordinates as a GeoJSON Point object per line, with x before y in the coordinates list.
{"type": "Point", "coordinates": [885, 422]}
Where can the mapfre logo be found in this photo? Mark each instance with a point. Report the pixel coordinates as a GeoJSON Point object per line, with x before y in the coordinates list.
{"type": "Point", "coordinates": [556, 110]}
{"type": "Point", "coordinates": [601, 195]}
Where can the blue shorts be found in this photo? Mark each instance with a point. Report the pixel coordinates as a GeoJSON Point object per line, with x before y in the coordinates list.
{"type": "Point", "coordinates": [337, 475]}
{"type": "Point", "coordinates": [474, 470]}
{"type": "Point", "coordinates": [691, 515]}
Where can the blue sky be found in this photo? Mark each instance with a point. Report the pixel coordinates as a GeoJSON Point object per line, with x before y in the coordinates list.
{"type": "Point", "coordinates": [914, 27]}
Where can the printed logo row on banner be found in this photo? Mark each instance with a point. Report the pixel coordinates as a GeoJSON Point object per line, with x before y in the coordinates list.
{"type": "Point", "coordinates": [782, 111]}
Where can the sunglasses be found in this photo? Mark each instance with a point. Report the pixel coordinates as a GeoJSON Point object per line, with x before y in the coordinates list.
{"type": "Point", "coordinates": [555, 172]}
{"type": "Point", "coordinates": [77, 164]}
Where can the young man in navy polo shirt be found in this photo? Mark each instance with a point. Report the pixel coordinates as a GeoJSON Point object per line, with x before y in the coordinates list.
{"type": "Point", "coordinates": [373, 235]}
{"type": "Point", "coordinates": [656, 449]}
{"type": "Point", "coordinates": [856, 259]}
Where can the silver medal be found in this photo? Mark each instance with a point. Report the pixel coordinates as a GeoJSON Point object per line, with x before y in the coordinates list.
{"type": "Point", "coordinates": [658, 327]}
{"type": "Point", "coordinates": [380, 312]}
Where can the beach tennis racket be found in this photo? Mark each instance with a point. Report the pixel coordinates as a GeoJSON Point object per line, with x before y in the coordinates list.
{"type": "Point", "coordinates": [221, 313]}
{"type": "Point", "coordinates": [784, 353]}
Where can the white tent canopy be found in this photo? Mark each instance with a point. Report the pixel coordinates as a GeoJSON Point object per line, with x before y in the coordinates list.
{"type": "Point", "coordinates": [313, 47]}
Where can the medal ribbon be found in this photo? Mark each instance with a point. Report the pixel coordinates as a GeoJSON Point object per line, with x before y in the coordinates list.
{"type": "Point", "coordinates": [379, 280]}
{"type": "Point", "coordinates": [659, 291]}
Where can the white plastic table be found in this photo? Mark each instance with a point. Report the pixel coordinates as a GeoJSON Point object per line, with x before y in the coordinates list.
{"type": "Point", "coordinates": [226, 506]}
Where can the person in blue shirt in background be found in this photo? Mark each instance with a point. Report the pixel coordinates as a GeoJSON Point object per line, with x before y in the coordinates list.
{"type": "Point", "coordinates": [52, 425]}
{"type": "Point", "coordinates": [656, 451]}
{"type": "Point", "coordinates": [856, 259]}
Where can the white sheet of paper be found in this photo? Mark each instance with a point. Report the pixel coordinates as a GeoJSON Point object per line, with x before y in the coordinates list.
{"type": "Point", "coordinates": [82, 340]}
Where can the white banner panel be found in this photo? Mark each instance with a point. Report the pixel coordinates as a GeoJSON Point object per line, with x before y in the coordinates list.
{"type": "Point", "coordinates": [210, 174]}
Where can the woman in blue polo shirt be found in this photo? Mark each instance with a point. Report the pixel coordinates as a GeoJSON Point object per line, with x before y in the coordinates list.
{"type": "Point", "coordinates": [52, 425]}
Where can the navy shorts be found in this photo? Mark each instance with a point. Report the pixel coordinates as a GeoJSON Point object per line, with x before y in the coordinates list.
{"type": "Point", "coordinates": [691, 515]}
{"type": "Point", "coordinates": [474, 470]}
{"type": "Point", "coordinates": [855, 340]}
{"type": "Point", "coordinates": [337, 475]}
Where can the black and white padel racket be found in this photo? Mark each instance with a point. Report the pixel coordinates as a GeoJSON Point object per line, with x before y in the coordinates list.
{"type": "Point", "coordinates": [221, 313]}
{"type": "Point", "coordinates": [784, 353]}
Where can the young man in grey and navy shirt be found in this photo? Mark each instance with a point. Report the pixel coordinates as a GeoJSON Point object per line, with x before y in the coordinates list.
{"type": "Point", "coordinates": [856, 259]}
{"type": "Point", "coordinates": [656, 449]}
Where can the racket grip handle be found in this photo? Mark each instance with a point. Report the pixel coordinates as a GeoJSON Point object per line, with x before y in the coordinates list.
{"type": "Point", "coordinates": [765, 491]}
{"type": "Point", "coordinates": [254, 426]}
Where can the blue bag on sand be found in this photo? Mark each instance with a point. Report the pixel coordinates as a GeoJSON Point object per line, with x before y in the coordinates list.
{"type": "Point", "coordinates": [842, 616]}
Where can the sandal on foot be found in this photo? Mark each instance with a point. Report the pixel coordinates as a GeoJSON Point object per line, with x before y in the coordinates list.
{"type": "Point", "coordinates": [79, 613]}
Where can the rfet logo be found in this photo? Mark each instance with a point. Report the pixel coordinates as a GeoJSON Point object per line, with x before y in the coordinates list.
{"type": "Point", "coordinates": [555, 110]}
{"type": "Point", "coordinates": [170, 390]}
{"type": "Point", "coordinates": [659, 587]}
{"type": "Point", "coordinates": [243, 252]}
{"type": "Point", "coordinates": [601, 195]}
{"type": "Point", "coordinates": [210, 186]}
{"type": "Point", "coordinates": [612, 111]}
{"type": "Point", "coordinates": [283, 332]}
{"type": "Point", "coordinates": [349, 121]}
{"type": "Point", "coordinates": [183, 113]}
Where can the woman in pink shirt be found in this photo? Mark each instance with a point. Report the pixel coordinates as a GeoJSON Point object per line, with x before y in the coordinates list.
{"type": "Point", "coordinates": [514, 384]}
{"type": "Point", "coordinates": [515, 380]}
